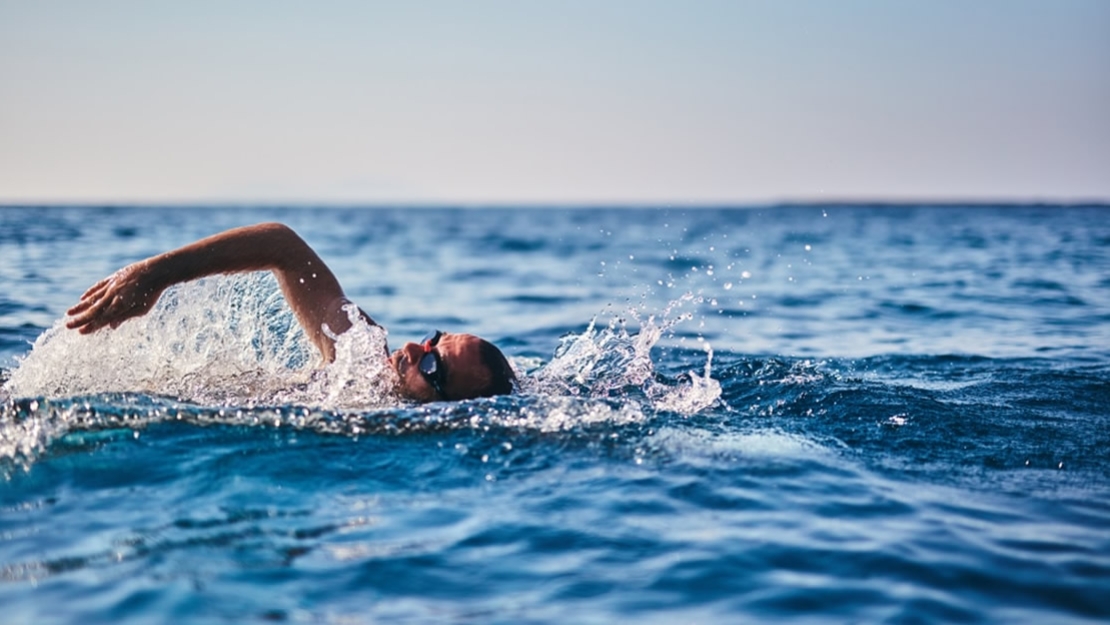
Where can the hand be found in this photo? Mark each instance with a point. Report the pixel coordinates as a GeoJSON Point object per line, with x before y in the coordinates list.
{"type": "Point", "coordinates": [130, 292]}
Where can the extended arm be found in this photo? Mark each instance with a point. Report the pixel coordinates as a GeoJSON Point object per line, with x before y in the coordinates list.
{"type": "Point", "coordinates": [309, 286]}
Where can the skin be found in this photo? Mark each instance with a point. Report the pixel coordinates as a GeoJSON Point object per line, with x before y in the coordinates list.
{"type": "Point", "coordinates": [458, 354]}
{"type": "Point", "coordinates": [310, 288]}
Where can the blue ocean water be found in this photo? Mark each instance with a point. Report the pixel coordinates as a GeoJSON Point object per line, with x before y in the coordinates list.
{"type": "Point", "coordinates": [828, 413]}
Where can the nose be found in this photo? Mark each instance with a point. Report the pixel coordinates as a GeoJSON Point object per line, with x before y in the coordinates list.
{"type": "Point", "coordinates": [413, 351]}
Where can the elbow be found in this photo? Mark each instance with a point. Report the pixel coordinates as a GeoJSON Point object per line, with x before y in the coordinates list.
{"type": "Point", "coordinates": [286, 250]}
{"type": "Point", "coordinates": [280, 236]}
{"type": "Point", "coordinates": [275, 229]}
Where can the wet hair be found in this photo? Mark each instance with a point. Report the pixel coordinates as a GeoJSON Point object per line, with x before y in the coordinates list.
{"type": "Point", "coordinates": [501, 375]}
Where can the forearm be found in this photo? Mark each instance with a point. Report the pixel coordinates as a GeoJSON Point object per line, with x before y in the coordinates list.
{"type": "Point", "coordinates": [268, 246]}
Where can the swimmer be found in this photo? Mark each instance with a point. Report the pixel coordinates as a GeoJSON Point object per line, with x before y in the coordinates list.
{"type": "Point", "coordinates": [442, 367]}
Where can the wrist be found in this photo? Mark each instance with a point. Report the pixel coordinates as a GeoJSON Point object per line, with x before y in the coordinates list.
{"type": "Point", "coordinates": [161, 272]}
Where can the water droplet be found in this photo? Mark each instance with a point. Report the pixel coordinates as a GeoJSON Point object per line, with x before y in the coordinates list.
{"type": "Point", "coordinates": [728, 285]}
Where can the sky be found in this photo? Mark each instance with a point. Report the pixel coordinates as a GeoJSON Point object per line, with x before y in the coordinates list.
{"type": "Point", "coordinates": [600, 101]}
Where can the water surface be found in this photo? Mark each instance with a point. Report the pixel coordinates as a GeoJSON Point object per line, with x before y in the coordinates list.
{"type": "Point", "coordinates": [812, 413]}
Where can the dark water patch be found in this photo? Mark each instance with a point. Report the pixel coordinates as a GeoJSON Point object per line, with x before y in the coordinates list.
{"type": "Point", "coordinates": [680, 265]}
{"type": "Point", "coordinates": [539, 300]}
{"type": "Point", "coordinates": [807, 301]}
{"type": "Point", "coordinates": [514, 244]}
{"type": "Point", "coordinates": [1066, 301]}
{"type": "Point", "coordinates": [1039, 285]}
{"type": "Point", "coordinates": [9, 307]}
{"type": "Point", "coordinates": [919, 414]}
{"type": "Point", "coordinates": [794, 242]}
{"type": "Point", "coordinates": [379, 291]}
{"type": "Point", "coordinates": [432, 322]}
{"type": "Point", "coordinates": [917, 309]}
{"type": "Point", "coordinates": [483, 274]}
{"type": "Point", "coordinates": [19, 337]}
{"type": "Point", "coordinates": [49, 225]}
{"type": "Point", "coordinates": [732, 312]}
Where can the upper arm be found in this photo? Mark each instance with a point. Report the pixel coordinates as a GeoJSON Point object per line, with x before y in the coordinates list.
{"type": "Point", "coordinates": [312, 290]}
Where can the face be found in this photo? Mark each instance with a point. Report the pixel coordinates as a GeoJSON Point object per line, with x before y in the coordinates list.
{"type": "Point", "coordinates": [459, 357]}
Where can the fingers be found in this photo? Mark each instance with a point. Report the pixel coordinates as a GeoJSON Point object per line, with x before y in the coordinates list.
{"type": "Point", "coordinates": [94, 312]}
{"type": "Point", "coordinates": [92, 296]}
{"type": "Point", "coordinates": [80, 306]}
{"type": "Point", "coordinates": [99, 286]}
{"type": "Point", "coordinates": [91, 305]}
{"type": "Point", "coordinates": [87, 320]}
{"type": "Point", "coordinates": [109, 303]}
{"type": "Point", "coordinates": [92, 321]}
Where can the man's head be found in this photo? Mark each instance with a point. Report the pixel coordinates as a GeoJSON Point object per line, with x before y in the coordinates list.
{"type": "Point", "coordinates": [455, 367]}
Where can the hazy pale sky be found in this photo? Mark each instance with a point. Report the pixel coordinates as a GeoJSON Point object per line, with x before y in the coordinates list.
{"type": "Point", "coordinates": [553, 102]}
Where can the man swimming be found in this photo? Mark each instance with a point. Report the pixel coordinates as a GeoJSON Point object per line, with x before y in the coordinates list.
{"type": "Point", "coordinates": [441, 367]}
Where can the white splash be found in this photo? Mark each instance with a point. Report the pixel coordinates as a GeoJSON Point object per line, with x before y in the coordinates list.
{"type": "Point", "coordinates": [227, 340]}
{"type": "Point", "coordinates": [613, 363]}
{"type": "Point", "coordinates": [699, 394]}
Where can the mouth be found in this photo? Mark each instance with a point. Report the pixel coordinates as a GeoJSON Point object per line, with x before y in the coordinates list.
{"type": "Point", "coordinates": [399, 362]}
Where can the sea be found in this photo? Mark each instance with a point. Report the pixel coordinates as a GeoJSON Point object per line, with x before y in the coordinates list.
{"type": "Point", "coordinates": [817, 413]}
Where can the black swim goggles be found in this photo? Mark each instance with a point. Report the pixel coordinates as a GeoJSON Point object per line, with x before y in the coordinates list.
{"type": "Point", "coordinates": [430, 365]}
